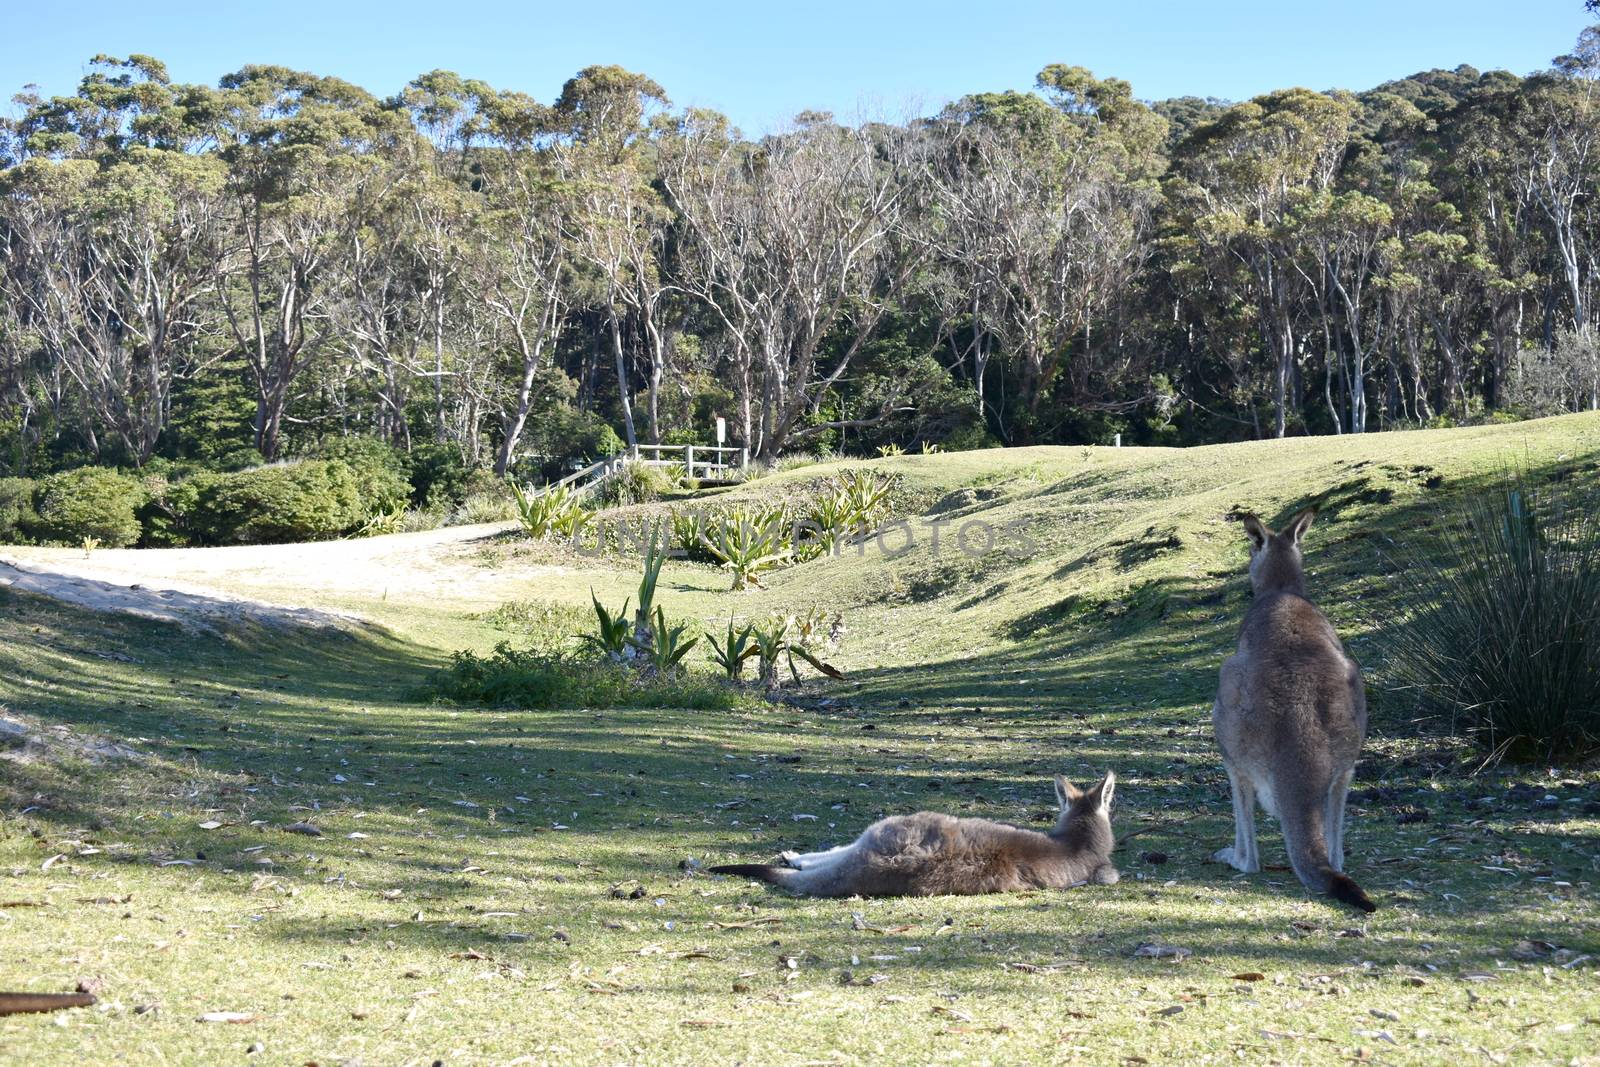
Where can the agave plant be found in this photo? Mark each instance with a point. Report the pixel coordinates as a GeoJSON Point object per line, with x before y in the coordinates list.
{"type": "Point", "coordinates": [655, 554]}
{"type": "Point", "coordinates": [613, 639]}
{"type": "Point", "coordinates": [749, 544]}
{"type": "Point", "coordinates": [784, 639]}
{"type": "Point", "coordinates": [666, 647]}
{"type": "Point", "coordinates": [830, 522]}
{"type": "Point", "coordinates": [687, 526]}
{"type": "Point", "coordinates": [384, 522]}
{"type": "Point", "coordinates": [731, 652]}
{"type": "Point", "coordinates": [550, 511]}
{"type": "Point", "coordinates": [865, 495]}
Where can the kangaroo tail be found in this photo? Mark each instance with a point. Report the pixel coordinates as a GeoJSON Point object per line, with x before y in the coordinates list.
{"type": "Point", "coordinates": [1345, 890]}
{"type": "Point", "coordinates": [16, 1003]}
{"type": "Point", "coordinates": [762, 872]}
{"type": "Point", "coordinates": [1308, 855]}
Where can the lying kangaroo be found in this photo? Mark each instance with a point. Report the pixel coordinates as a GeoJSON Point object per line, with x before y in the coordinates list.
{"type": "Point", "coordinates": [1290, 716]}
{"type": "Point", "coordinates": [928, 854]}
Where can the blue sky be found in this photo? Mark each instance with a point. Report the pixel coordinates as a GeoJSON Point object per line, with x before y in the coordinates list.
{"type": "Point", "coordinates": [761, 62]}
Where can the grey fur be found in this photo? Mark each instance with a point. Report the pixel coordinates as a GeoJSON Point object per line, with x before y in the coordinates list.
{"type": "Point", "coordinates": [928, 854]}
{"type": "Point", "coordinates": [1290, 717]}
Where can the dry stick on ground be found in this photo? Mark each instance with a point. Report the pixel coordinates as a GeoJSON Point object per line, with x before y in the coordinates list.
{"type": "Point", "coordinates": [16, 1003]}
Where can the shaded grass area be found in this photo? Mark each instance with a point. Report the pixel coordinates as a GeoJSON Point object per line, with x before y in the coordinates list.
{"type": "Point", "coordinates": [522, 884]}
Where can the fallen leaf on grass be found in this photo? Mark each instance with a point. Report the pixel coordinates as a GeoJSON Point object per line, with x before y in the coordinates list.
{"type": "Point", "coordinates": [983, 1028]}
{"type": "Point", "coordinates": [470, 954]}
{"type": "Point", "coordinates": [1249, 976]}
{"type": "Point", "coordinates": [703, 1024]}
{"type": "Point", "coordinates": [306, 828]}
{"type": "Point", "coordinates": [765, 920]}
{"type": "Point", "coordinates": [52, 861]}
{"type": "Point", "coordinates": [226, 1017]}
{"type": "Point", "coordinates": [211, 824]}
{"type": "Point", "coordinates": [1173, 1009]}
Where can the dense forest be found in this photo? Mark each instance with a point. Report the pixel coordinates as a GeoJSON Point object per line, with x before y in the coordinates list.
{"type": "Point", "coordinates": [217, 276]}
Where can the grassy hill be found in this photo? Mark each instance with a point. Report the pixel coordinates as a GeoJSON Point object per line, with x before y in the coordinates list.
{"type": "Point", "coordinates": [518, 886]}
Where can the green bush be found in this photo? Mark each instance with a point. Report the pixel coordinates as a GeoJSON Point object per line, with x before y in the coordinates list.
{"type": "Point", "coordinates": [1501, 629]}
{"type": "Point", "coordinates": [534, 678]}
{"type": "Point", "coordinates": [439, 476]}
{"type": "Point", "coordinates": [380, 471]}
{"type": "Point", "coordinates": [88, 502]}
{"type": "Point", "coordinates": [308, 500]}
{"type": "Point", "coordinates": [635, 482]}
{"type": "Point", "coordinates": [16, 509]}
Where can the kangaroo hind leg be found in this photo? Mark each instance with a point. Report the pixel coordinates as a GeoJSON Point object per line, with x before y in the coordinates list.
{"type": "Point", "coordinates": [1338, 793]}
{"type": "Point", "coordinates": [1242, 856]}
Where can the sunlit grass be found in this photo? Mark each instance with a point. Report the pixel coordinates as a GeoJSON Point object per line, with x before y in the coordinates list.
{"type": "Point", "coordinates": [501, 884]}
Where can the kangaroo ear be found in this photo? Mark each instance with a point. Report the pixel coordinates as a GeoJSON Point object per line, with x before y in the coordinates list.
{"type": "Point", "coordinates": [1066, 792]}
{"type": "Point", "coordinates": [1300, 524]}
{"type": "Point", "coordinates": [1107, 788]}
{"type": "Point", "coordinates": [1256, 530]}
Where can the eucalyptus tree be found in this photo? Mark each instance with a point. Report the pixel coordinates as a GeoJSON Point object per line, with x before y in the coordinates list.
{"type": "Point", "coordinates": [518, 266]}
{"type": "Point", "coordinates": [789, 243]}
{"type": "Point", "coordinates": [441, 215]}
{"type": "Point", "coordinates": [1239, 180]}
{"type": "Point", "coordinates": [112, 225]}
{"type": "Point", "coordinates": [620, 226]}
{"type": "Point", "coordinates": [299, 148]}
{"type": "Point", "coordinates": [1040, 217]}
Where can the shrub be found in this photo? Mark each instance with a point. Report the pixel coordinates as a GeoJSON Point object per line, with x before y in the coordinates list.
{"type": "Point", "coordinates": [307, 500]}
{"type": "Point", "coordinates": [1503, 623]}
{"type": "Point", "coordinates": [535, 678]}
{"type": "Point", "coordinates": [89, 502]}
{"type": "Point", "coordinates": [484, 506]}
{"type": "Point", "coordinates": [636, 482]}
{"type": "Point", "coordinates": [379, 470]}
{"type": "Point", "coordinates": [16, 509]}
{"type": "Point", "coordinates": [439, 476]}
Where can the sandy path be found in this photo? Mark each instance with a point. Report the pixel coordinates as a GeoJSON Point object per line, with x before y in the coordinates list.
{"type": "Point", "coordinates": [272, 584]}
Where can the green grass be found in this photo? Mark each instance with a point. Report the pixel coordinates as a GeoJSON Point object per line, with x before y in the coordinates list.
{"type": "Point", "coordinates": [520, 892]}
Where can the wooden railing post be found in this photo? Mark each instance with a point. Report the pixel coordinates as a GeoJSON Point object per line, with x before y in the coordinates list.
{"type": "Point", "coordinates": [688, 461]}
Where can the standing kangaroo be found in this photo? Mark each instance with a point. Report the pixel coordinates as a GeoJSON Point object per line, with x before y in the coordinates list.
{"type": "Point", "coordinates": [928, 854]}
{"type": "Point", "coordinates": [1290, 716]}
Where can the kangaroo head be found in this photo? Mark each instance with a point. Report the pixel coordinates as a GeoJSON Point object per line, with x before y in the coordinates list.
{"type": "Point", "coordinates": [1086, 814]}
{"type": "Point", "coordinates": [1275, 556]}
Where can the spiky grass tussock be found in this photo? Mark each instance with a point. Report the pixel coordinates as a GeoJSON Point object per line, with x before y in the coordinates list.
{"type": "Point", "coordinates": [1502, 620]}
